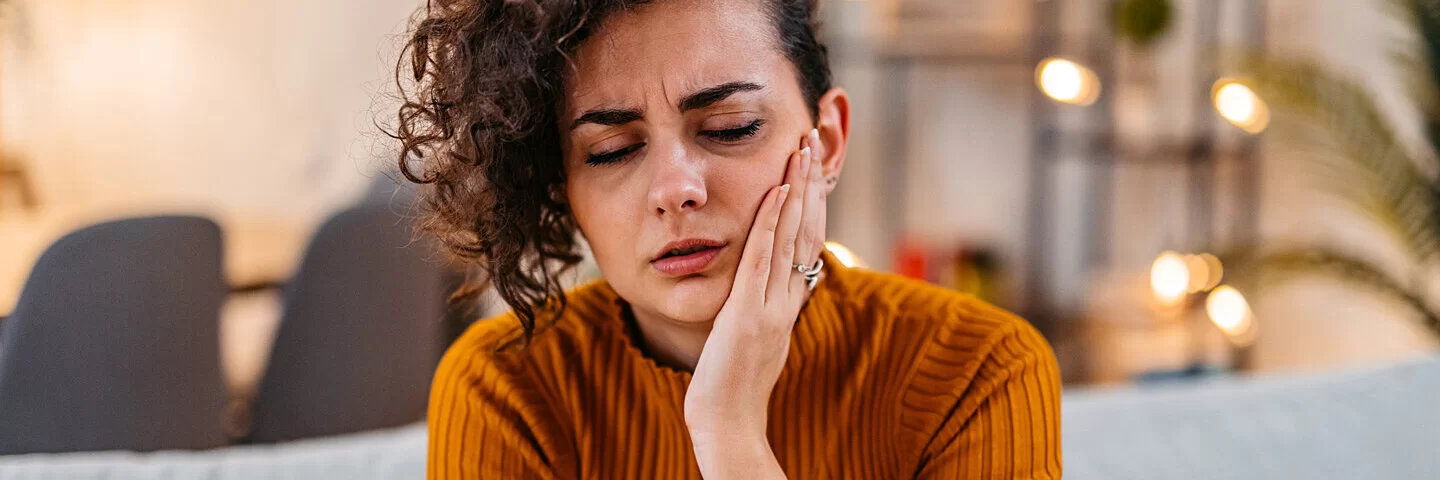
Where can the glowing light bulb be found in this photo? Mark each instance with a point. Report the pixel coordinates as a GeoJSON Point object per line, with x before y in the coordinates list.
{"type": "Point", "coordinates": [1239, 105]}
{"type": "Point", "coordinates": [1229, 310]}
{"type": "Point", "coordinates": [1067, 82]}
{"type": "Point", "coordinates": [1169, 278]}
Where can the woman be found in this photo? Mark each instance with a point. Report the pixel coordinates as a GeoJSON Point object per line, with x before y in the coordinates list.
{"type": "Point", "coordinates": [692, 143]}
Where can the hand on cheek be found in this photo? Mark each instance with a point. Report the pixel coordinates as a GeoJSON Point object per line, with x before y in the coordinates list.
{"type": "Point", "coordinates": [728, 397]}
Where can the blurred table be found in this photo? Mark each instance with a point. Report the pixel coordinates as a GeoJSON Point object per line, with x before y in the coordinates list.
{"type": "Point", "coordinates": [14, 177]}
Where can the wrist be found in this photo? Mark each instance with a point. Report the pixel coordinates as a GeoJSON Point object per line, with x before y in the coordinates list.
{"type": "Point", "coordinates": [741, 455]}
{"type": "Point", "coordinates": [741, 441]}
{"type": "Point", "coordinates": [729, 420]}
{"type": "Point", "coordinates": [735, 433]}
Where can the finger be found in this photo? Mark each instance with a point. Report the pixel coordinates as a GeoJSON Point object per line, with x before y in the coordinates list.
{"type": "Point", "coordinates": [810, 237]}
{"type": "Point", "coordinates": [754, 270]}
{"type": "Point", "coordinates": [790, 217]}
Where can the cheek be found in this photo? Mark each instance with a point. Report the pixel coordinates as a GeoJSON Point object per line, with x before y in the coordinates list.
{"type": "Point", "coordinates": [745, 182]}
{"type": "Point", "coordinates": [605, 216]}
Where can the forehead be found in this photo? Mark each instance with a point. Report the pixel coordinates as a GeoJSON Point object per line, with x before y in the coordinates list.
{"type": "Point", "coordinates": [670, 47]}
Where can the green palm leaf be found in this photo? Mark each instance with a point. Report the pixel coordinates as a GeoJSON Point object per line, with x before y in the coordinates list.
{"type": "Point", "coordinates": [1275, 267]}
{"type": "Point", "coordinates": [1364, 163]}
{"type": "Point", "coordinates": [1423, 63]}
{"type": "Point", "coordinates": [1369, 153]}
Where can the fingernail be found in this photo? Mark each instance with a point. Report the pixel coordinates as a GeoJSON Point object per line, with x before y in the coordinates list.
{"type": "Point", "coordinates": [785, 188]}
{"type": "Point", "coordinates": [814, 136]}
{"type": "Point", "coordinates": [805, 152]}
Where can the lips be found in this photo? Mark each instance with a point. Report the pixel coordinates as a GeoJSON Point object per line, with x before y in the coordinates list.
{"type": "Point", "coordinates": [686, 257]}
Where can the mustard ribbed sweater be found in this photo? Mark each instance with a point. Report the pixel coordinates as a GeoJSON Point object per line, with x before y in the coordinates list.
{"type": "Point", "coordinates": [887, 378]}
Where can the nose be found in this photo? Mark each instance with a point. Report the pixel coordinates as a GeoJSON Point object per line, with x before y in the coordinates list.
{"type": "Point", "coordinates": [678, 184]}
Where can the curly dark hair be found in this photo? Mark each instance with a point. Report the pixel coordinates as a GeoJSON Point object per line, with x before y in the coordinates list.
{"type": "Point", "coordinates": [477, 125]}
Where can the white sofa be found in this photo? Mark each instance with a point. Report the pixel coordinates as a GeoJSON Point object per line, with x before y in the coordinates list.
{"type": "Point", "coordinates": [384, 454]}
{"type": "Point", "coordinates": [1379, 423]}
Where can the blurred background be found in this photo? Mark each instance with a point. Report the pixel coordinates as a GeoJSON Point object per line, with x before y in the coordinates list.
{"type": "Point", "coordinates": [1178, 193]}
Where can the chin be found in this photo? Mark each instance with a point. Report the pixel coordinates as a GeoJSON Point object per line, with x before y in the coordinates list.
{"type": "Point", "coordinates": [696, 300]}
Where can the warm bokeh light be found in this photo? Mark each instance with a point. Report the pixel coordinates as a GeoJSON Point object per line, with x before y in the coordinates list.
{"type": "Point", "coordinates": [1199, 273]}
{"type": "Point", "coordinates": [1067, 81]}
{"type": "Point", "coordinates": [1170, 278]}
{"type": "Point", "coordinates": [846, 257]}
{"type": "Point", "coordinates": [1214, 271]}
{"type": "Point", "coordinates": [1205, 271]}
{"type": "Point", "coordinates": [1227, 307]}
{"type": "Point", "coordinates": [1240, 106]}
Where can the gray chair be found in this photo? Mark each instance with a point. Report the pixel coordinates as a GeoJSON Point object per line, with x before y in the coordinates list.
{"type": "Point", "coordinates": [360, 335]}
{"type": "Point", "coordinates": [114, 343]}
{"type": "Point", "coordinates": [389, 188]}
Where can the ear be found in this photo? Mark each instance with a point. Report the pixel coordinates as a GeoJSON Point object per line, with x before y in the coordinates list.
{"type": "Point", "coordinates": [834, 126]}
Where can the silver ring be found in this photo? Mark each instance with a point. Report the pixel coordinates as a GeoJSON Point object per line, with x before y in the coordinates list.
{"type": "Point", "coordinates": [811, 273]}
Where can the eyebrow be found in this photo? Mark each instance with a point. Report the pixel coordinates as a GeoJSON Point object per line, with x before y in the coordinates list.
{"type": "Point", "coordinates": [697, 100]}
{"type": "Point", "coordinates": [709, 96]}
{"type": "Point", "coordinates": [608, 116]}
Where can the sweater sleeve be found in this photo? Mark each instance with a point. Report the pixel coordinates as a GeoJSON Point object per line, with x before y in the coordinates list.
{"type": "Point", "coordinates": [1007, 422]}
{"type": "Point", "coordinates": [485, 423]}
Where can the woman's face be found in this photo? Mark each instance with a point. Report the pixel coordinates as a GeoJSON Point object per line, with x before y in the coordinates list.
{"type": "Point", "coordinates": [678, 118]}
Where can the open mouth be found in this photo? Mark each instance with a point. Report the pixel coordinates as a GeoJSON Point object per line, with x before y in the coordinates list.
{"type": "Point", "coordinates": [680, 252]}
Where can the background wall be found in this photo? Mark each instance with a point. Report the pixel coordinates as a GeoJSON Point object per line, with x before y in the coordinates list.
{"type": "Point", "coordinates": [254, 108]}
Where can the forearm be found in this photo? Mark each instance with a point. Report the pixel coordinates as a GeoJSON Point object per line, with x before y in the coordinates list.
{"type": "Point", "coordinates": [724, 457]}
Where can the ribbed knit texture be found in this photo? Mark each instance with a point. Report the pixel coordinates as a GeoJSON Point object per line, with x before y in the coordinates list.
{"type": "Point", "coordinates": [887, 378]}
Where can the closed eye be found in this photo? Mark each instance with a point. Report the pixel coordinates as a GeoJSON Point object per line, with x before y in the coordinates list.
{"type": "Point", "coordinates": [613, 156]}
{"type": "Point", "coordinates": [734, 134]}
